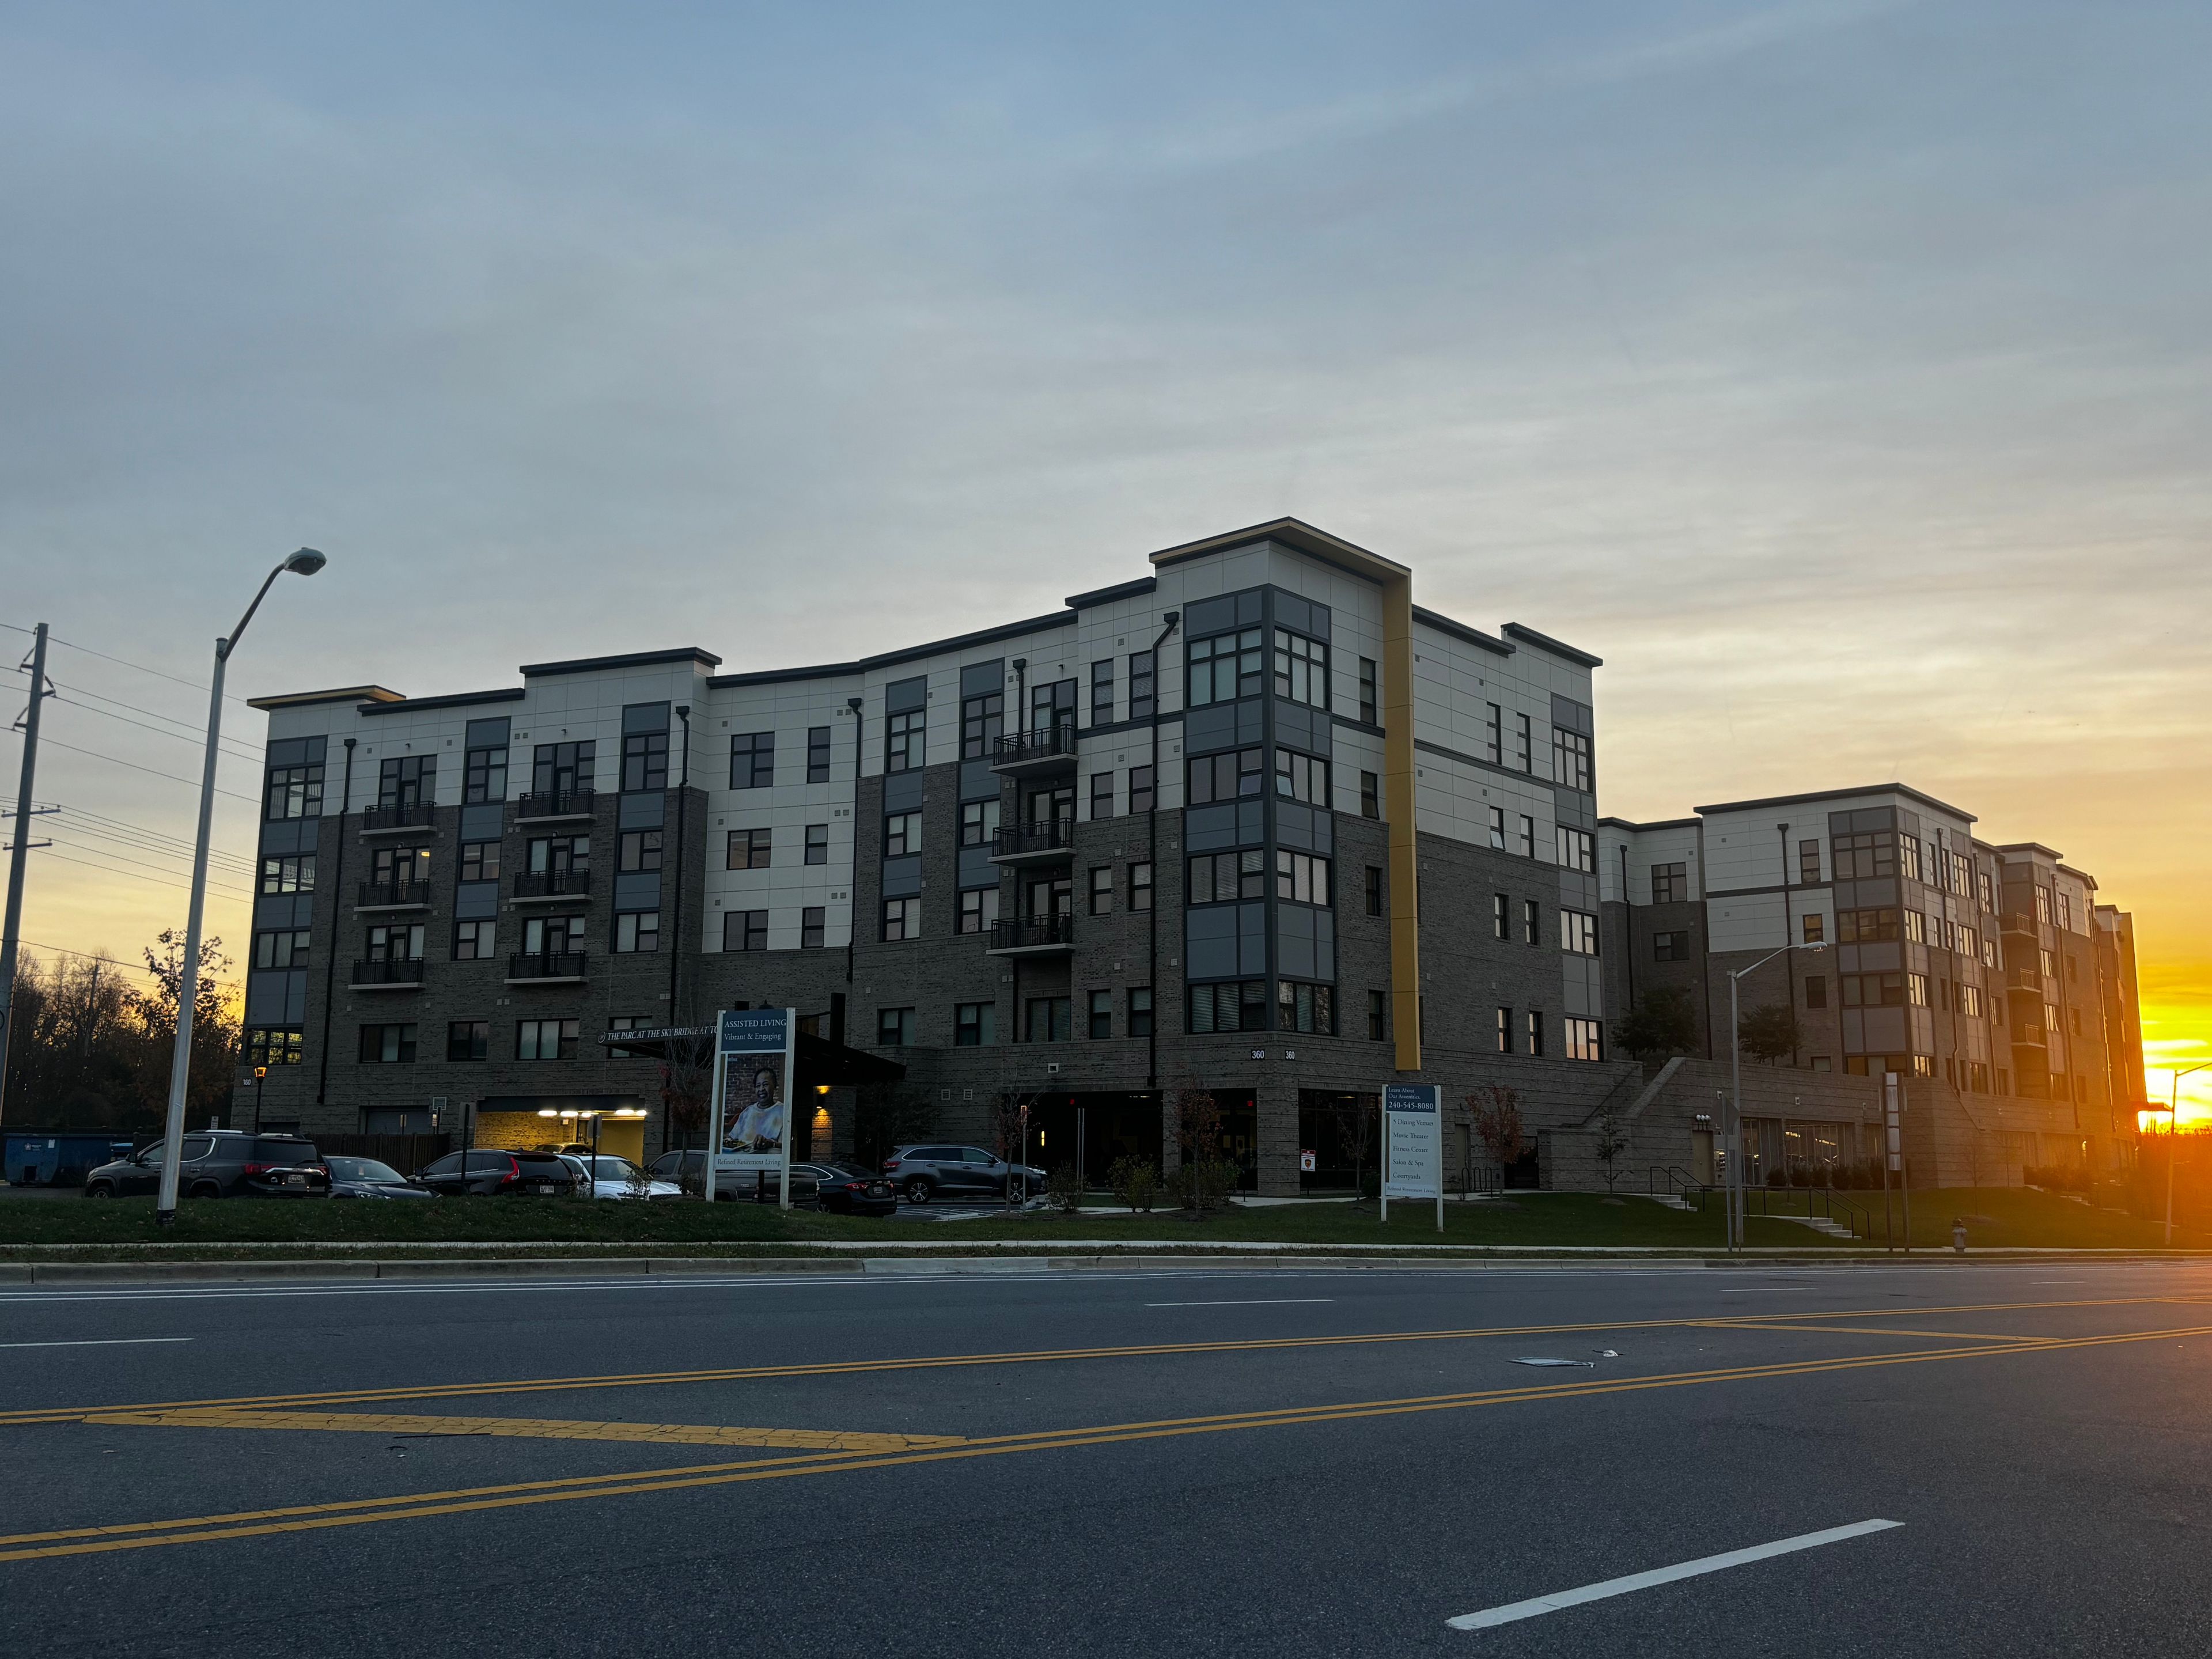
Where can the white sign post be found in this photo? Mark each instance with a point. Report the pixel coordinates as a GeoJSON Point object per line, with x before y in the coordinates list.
{"type": "Point", "coordinates": [1413, 1144]}
{"type": "Point", "coordinates": [753, 1135]}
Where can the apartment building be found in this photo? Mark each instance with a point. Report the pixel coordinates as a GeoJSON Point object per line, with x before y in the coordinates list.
{"type": "Point", "coordinates": [1986, 976]}
{"type": "Point", "coordinates": [1253, 821]}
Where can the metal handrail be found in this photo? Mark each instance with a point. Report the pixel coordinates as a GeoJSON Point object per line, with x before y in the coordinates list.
{"type": "Point", "coordinates": [550, 883]}
{"type": "Point", "coordinates": [1044, 743]}
{"type": "Point", "coordinates": [553, 964]}
{"type": "Point", "coordinates": [392, 893]}
{"type": "Point", "coordinates": [399, 815]}
{"type": "Point", "coordinates": [1040, 930]}
{"type": "Point", "coordinates": [1049, 835]}
{"type": "Point", "coordinates": [554, 804]}
{"type": "Point", "coordinates": [387, 970]}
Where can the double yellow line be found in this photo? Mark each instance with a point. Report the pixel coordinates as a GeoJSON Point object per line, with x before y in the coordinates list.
{"type": "Point", "coordinates": [256, 1523]}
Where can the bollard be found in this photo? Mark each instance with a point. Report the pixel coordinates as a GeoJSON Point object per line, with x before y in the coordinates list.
{"type": "Point", "coordinates": [1959, 1235]}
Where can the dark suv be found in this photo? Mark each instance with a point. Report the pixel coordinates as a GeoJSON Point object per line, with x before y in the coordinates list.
{"type": "Point", "coordinates": [922, 1173]}
{"type": "Point", "coordinates": [219, 1164]}
{"type": "Point", "coordinates": [497, 1174]}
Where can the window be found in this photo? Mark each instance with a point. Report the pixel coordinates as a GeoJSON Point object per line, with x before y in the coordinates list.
{"type": "Point", "coordinates": [1217, 878]}
{"type": "Point", "coordinates": [752, 760]}
{"type": "Point", "coordinates": [817, 754]}
{"type": "Point", "coordinates": [1102, 890]}
{"type": "Point", "coordinates": [1374, 889]}
{"type": "Point", "coordinates": [1140, 1011]}
{"type": "Point", "coordinates": [1370, 795]}
{"type": "Point", "coordinates": [1498, 827]}
{"type": "Point", "coordinates": [645, 761]}
{"type": "Point", "coordinates": [1501, 916]}
{"type": "Point", "coordinates": [1671, 946]}
{"type": "Point", "coordinates": [1301, 877]}
{"type": "Point", "coordinates": [902, 920]}
{"type": "Point", "coordinates": [817, 843]}
{"type": "Point", "coordinates": [1223, 668]}
{"type": "Point", "coordinates": [1047, 1019]}
{"type": "Point", "coordinates": [483, 774]}
{"type": "Point", "coordinates": [1052, 708]}
{"type": "Point", "coordinates": [287, 949]}
{"type": "Point", "coordinates": [400, 866]}
{"type": "Point", "coordinates": [552, 936]}
{"type": "Point", "coordinates": [1970, 1000]}
{"type": "Point", "coordinates": [1535, 1032]}
{"type": "Point", "coordinates": [2065, 910]}
{"type": "Point", "coordinates": [1140, 789]}
{"type": "Point", "coordinates": [1504, 1031]}
{"type": "Point", "coordinates": [975, 1024]}
{"type": "Point", "coordinates": [748, 848]}
{"type": "Point", "coordinates": [2050, 964]}
{"type": "Point", "coordinates": [1102, 692]}
{"type": "Point", "coordinates": [468, 1039]}
{"type": "Point", "coordinates": [811, 920]}
{"type": "Point", "coordinates": [1142, 702]}
{"type": "Point", "coordinates": [1916, 990]}
{"type": "Point", "coordinates": [1301, 777]}
{"type": "Point", "coordinates": [2042, 905]}
{"type": "Point", "coordinates": [894, 1027]}
{"type": "Point", "coordinates": [1532, 918]}
{"type": "Point", "coordinates": [1101, 795]}
{"type": "Point", "coordinates": [1378, 1006]}
{"type": "Point", "coordinates": [1868, 855]}
{"type": "Point", "coordinates": [1300, 1007]}
{"type": "Point", "coordinates": [1813, 927]}
{"type": "Point", "coordinates": [1583, 1041]}
{"type": "Point", "coordinates": [274, 1045]}
{"type": "Point", "coordinates": [1577, 848]}
{"type": "Point", "coordinates": [1571, 761]}
{"type": "Point", "coordinates": [562, 768]}
{"type": "Point", "coordinates": [1301, 669]}
{"type": "Point", "coordinates": [1670, 883]}
{"type": "Point", "coordinates": [475, 941]}
{"type": "Point", "coordinates": [1371, 705]}
{"type": "Point", "coordinates": [979, 909]}
{"type": "Point", "coordinates": [1816, 991]}
{"type": "Point", "coordinates": [978, 823]}
{"type": "Point", "coordinates": [1527, 837]}
{"type": "Point", "coordinates": [1865, 926]}
{"type": "Point", "coordinates": [1524, 745]}
{"type": "Point", "coordinates": [387, 1045]}
{"type": "Point", "coordinates": [395, 942]}
{"type": "Point", "coordinates": [295, 792]}
{"type": "Point", "coordinates": [903, 737]}
{"type": "Point", "coordinates": [1908, 861]}
{"type": "Point", "coordinates": [902, 835]}
{"type": "Point", "coordinates": [1236, 1007]}
{"type": "Point", "coordinates": [1224, 777]}
{"type": "Point", "coordinates": [1916, 927]}
{"type": "Point", "coordinates": [1494, 736]}
{"type": "Point", "coordinates": [479, 860]}
{"type": "Point", "coordinates": [1808, 862]}
{"type": "Point", "coordinates": [983, 718]}
{"type": "Point", "coordinates": [1578, 932]}
{"type": "Point", "coordinates": [288, 875]}
{"type": "Point", "coordinates": [639, 849]}
{"type": "Point", "coordinates": [1101, 1024]}
{"type": "Point", "coordinates": [637, 932]}
{"type": "Point", "coordinates": [1872, 990]}
{"type": "Point", "coordinates": [407, 781]}
{"type": "Point", "coordinates": [745, 930]}
{"type": "Point", "coordinates": [1140, 886]}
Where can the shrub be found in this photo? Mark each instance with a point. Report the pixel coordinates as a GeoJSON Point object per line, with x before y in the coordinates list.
{"type": "Point", "coordinates": [1064, 1190]}
{"type": "Point", "coordinates": [1135, 1182]}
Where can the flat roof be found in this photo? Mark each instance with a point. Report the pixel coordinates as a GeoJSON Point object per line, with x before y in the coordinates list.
{"type": "Point", "coordinates": [1839, 794]}
{"type": "Point", "coordinates": [1460, 630]}
{"type": "Point", "coordinates": [1662, 824]}
{"type": "Point", "coordinates": [1545, 642]}
{"type": "Point", "coordinates": [451, 700]}
{"type": "Point", "coordinates": [628, 659]}
{"type": "Point", "coordinates": [337, 694]}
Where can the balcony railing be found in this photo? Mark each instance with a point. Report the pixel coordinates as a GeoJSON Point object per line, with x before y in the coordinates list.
{"type": "Point", "coordinates": [1040, 933]}
{"type": "Point", "coordinates": [1046, 747]}
{"type": "Point", "coordinates": [392, 896]}
{"type": "Point", "coordinates": [397, 815]}
{"type": "Point", "coordinates": [2019, 922]}
{"type": "Point", "coordinates": [2023, 979]}
{"type": "Point", "coordinates": [388, 974]}
{"type": "Point", "coordinates": [1054, 838]}
{"type": "Point", "coordinates": [554, 804]}
{"type": "Point", "coordinates": [548, 965]}
{"type": "Point", "coordinates": [551, 883]}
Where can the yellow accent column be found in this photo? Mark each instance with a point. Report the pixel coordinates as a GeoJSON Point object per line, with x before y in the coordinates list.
{"type": "Point", "coordinates": [1398, 809]}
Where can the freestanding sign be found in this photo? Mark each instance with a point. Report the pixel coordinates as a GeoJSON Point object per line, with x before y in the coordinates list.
{"type": "Point", "coordinates": [755, 1060]}
{"type": "Point", "coordinates": [1413, 1144]}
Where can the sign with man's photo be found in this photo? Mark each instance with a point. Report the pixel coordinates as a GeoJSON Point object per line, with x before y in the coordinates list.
{"type": "Point", "coordinates": [755, 1056]}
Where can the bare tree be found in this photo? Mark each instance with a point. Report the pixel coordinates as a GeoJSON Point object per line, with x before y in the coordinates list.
{"type": "Point", "coordinates": [1497, 1109]}
{"type": "Point", "coordinates": [1355, 1133]}
{"type": "Point", "coordinates": [1204, 1175]}
{"type": "Point", "coordinates": [1612, 1143]}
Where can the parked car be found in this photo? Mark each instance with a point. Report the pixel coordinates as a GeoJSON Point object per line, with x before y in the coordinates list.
{"type": "Point", "coordinates": [219, 1163]}
{"type": "Point", "coordinates": [489, 1173]}
{"type": "Point", "coordinates": [849, 1189]}
{"type": "Point", "coordinates": [922, 1173]}
{"type": "Point", "coordinates": [611, 1176]}
{"type": "Point", "coordinates": [364, 1177]}
{"type": "Point", "coordinates": [687, 1169]}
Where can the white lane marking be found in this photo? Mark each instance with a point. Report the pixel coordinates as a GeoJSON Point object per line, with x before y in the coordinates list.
{"type": "Point", "coordinates": [98, 1342]}
{"type": "Point", "coordinates": [1261, 1302]}
{"type": "Point", "coordinates": [1637, 1581]}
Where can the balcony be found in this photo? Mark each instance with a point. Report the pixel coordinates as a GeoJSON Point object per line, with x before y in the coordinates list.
{"type": "Point", "coordinates": [534, 885]}
{"type": "Point", "coordinates": [2019, 922]}
{"type": "Point", "coordinates": [553, 968]}
{"type": "Point", "coordinates": [388, 974]}
{"type": "Point", "coordinates": [394, 896]}
{"type": "Point", "coordinates": [1045, 936]}
{"type": "Point", "coordinates": [546, 806]}
{"type": "Point", "coordinates": [2024, 978]}
{"type": "Point", "coordinates": [391, 819]}
{"type": "Point", "coordinates": [2029, 1036]}
{"type": "Point", "coordinates": [1035, 754]}
{"type": "Point", "coordinates": [1052, 842]}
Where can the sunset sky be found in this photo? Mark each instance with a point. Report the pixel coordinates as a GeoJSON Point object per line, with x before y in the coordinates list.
{"type": "Point", "coordinates": [1838, 372]}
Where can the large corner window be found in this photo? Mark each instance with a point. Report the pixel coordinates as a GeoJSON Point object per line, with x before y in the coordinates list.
{"type": "Point", "coordinates": [1223, 777]}
{"type": "Point", "coordinates": [1238, 1005]}
{"type": "Point", "coordinates": [1301, 669]}
{"type": "Point", "coordinates": [1571, 761]}
{"type": "Point", "coordinates": [295, 792]}
{"type": "Point", "coordinates": [1224, 668]}
{"type": "Point", "coordinates": [1300, 1007]}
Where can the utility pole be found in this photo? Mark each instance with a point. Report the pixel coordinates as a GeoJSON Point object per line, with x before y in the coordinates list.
{"type": "Point", "coordinates": [11, 932]}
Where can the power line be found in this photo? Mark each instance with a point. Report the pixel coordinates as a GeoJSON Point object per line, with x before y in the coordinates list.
{"type": "Point", "coordinates": [213, 887]}
{"type": "Point", "coordinates": [251, 801]}
{"type": "Point", "coordinates": [159, 674]}
{"type": "Point", "coordinates": [139, 835]}
{"type": "Point", "coordinates": [181, 886]}
{"type": "Point", "coordinates": [191, 726]}
{"type": "Point", "coordinates": [224, 751]}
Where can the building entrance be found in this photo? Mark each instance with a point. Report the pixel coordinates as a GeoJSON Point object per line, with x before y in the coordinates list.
{"type": "Point", "coordinates": [1093, 1131]}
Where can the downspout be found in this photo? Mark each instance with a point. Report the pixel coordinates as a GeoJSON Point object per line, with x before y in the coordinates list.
{"type": "Point", "coordinates": [675, 942]}
{"type": "Point", "coordinates": [852, 882]}
{"type": "Point", "coordinates": [1152, 858]}
{"type": "Point", "coordinates": [330, 963]}
{"type": "Point", "coordinates": [1788, 974]}
{"type": "Point", "coordinates": [1627, 929]}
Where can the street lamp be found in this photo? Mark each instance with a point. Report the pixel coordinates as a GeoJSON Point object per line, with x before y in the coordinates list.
{"type": "Point", "coordinates": [2173, 1141]}
{"type": "Point", "coordinates": [1735, 1081]}
{"type": "Point", "coordinates": [305, 563]}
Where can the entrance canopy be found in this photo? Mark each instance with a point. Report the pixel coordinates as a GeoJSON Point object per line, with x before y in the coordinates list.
{"type": "Point", "coordinates": [821, 1064]}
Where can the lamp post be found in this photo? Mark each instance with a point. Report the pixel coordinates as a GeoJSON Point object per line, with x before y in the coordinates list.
{"type": "Point", "coordinates": [2173, 1141]}
{"type": "Point", "coordinates": [1735, 1090]}
{"type": "Point", "coordinates": [305, 563]}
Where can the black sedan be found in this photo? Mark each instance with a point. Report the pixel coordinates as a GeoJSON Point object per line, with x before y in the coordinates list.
{"type": "Point", "coordinates": [490, 1173]}
{"type": "Point", "coordinates": [364, 1177]}
{"type": "Point", "coordinates": [848, 1190]}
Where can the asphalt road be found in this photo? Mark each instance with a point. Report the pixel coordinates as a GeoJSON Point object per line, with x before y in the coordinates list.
{"type": "Point", "coordinates": [1297, 1461]}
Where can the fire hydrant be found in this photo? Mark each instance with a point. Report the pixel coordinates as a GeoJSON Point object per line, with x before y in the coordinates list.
{"type": "Point", "coordinates": [1958, 1235]}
